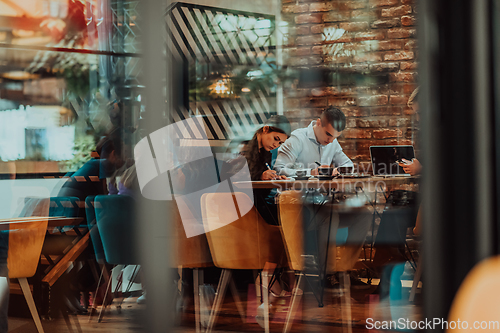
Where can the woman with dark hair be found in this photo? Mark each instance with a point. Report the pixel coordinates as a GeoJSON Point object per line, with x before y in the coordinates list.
{"type": "Point", "coordinates": [257, 154]}
{"type": "Point", "coordinates": [259, 159]}
{"type": "Point", "coordinates": [265, 139]}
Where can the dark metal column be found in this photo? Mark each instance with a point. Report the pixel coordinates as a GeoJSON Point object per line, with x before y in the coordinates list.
{"type": "Point", "coordinates": [154, 215]}
{"type": "Point", "coordinates": [457, 145]}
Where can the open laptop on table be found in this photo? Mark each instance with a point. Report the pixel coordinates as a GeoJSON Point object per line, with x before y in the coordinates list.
{"type": "Point", "coordinates": [384, 160]}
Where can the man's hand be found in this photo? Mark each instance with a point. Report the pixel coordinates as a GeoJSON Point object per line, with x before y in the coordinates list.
{"type": "Point", "coordinates": [412, 167]}
{"type": "Point", "coordinates": [315, 172]}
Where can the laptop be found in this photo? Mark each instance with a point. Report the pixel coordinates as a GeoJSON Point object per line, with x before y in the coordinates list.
{"type": "Point", "coordinates": [384, 159]}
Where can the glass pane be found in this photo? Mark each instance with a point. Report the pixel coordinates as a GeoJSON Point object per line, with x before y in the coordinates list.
{"type": "Point", "coordinates": [283, 141]}
{"type": "Point", "coordinates": [101, 25]}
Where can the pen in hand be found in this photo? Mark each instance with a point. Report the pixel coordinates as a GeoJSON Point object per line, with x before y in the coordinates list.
{"type": "Point", "coordinates": [319, 164]}
{"type": "Point", "coordinates": [269, 168]}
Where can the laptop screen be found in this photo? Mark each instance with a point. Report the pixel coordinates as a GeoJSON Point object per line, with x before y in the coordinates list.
{"type": "Point", "coordinates": [384, 159]}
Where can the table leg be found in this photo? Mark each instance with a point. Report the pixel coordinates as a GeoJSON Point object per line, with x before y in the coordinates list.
{"type": "Point", "coordinates": [323, 276]}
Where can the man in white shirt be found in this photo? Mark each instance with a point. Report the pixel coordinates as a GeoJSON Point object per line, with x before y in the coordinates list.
{"type": "Point", "coordinates": [318, 142]}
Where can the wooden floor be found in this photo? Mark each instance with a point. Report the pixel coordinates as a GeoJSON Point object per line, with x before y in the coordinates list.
{"type": "Point", "coordinates": [364, 304]}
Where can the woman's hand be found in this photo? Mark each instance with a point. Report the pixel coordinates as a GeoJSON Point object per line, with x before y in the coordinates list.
{"type": "Point", "coordinates": [270, 175]}
{"type": "Point", "coordinates": [413, 168]}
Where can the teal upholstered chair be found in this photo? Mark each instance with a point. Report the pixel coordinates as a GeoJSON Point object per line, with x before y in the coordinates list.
{"type": "Point", "coordinates": [117, 228]}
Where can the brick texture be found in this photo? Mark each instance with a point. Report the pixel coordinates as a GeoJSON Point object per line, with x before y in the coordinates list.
{"type": "Point", "coordinates": [373, 100]}
{"type": "Point", "coordinates": [382, 3]}
{"type": "Point", "coordinates": [308, 18]}
{"type": "Point", "coordinates": [367, 53]}
{"type": "Point", "coordinates": [302, 30]}
{"type": "Point", "coordinates": [386, 23]}
{"type": "Point", "coordinates": [399, 55]}
{"type": "Point", "coordinates": [387, 133]}
{"type": "Point", "coordinates": [321, 7]}
{"type": "Point", "coordinates": [408, 20]}
{"type": "Point", "coordinates": [295, 9]}
{"type": "Point", "coordinates": [396, 11]}
{"type": "Point", "coordinates": [390, 45]}
{"type": "Point", "coordinates": [357, 133]}
{"type": "Point", "coordinates": [401, 33]}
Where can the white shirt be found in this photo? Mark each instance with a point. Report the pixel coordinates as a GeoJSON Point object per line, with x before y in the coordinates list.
{"type": "Point", "coordinates": [301, 150]}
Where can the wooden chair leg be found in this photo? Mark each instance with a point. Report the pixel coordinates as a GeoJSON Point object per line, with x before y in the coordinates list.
{"type": "Point", "coordinates": [219, 297]}
{"type": "Point", "coordinates": [416, 280]}
{"type": "Point", "coordinates": [265, 294]}
{"type": "Point", "coordinates": [196, 292]}
{"type": "Point", "coordinates": [66, 320]}
{"type": "Point", "coordinates": [31, 303]}
{"type": "Point", "coordinates": [119, 287]}
{"type": "Point", "coordinates": [95, 294]}
{"type": "Point", "coordinates": [237, 299]}
{"type": "Point", "coordinates": [179, 282]}
{"type": "Point", "coordinates": [256, 278]}
{"type": "Point", "coordinates": [294, 304]}
{"type": "Point", "coordinates": [204, 317]}
{"type": "Point", "coordinates": [77, 325]}
{"type": "Point", "coordinates": [94, 268]}
{"type": "Point", "coordinates": [101, 314]}
{"type": "Point", "coordinates": [346, 304]}
{"type": "Point", "coordinates": [129, 286]}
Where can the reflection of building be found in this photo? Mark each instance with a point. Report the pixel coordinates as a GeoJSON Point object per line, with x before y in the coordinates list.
{"type": "Point", "coordinates": [229, 58]}
{"type": "Point", "coordinates": [71, 53]}
{"type": "Point", "coordinates": [34, 133]}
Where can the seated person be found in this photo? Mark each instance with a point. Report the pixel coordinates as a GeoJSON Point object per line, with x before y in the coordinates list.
{"type": "Point", "coordinates": [306, 146]}
{"type": "Point", "coordinates": [257, 153]}
{"type": "Point", "coordinates": [114, 180]}
{"type": "Point", "coordinates": [94, 171]}
{"type": "Point", "coordinates": [86, 181]}
{"type": "Point", "coordinates": [128, 184]}
{"type": "Point", "coordinates": [395, 221]}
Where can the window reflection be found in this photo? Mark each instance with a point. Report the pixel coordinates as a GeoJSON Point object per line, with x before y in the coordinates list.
{"type": "Point", "coordinates": [72, 113]}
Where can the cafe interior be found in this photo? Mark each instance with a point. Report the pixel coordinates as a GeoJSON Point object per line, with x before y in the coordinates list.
{"type": "Point", "coordinates": [249, 166]}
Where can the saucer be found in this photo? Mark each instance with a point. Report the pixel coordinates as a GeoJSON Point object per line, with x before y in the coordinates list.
{"type": "Point", "coordinates": [302, 178]}
{"type": "Point", "coordinates": [325, 177]}
{"type": "Point", "coordinates": [354, 176]}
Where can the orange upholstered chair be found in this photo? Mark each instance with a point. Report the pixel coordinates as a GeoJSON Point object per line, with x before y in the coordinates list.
{"type": "Point", "coordinates": [476, 301]}
{"type": "Point", "coordinates": [189, 252]}
{"type": "Point", "coordinates": [292, 228]}
{"type": "Point", "coordinates": [238, 238]}
{"type": "Point", "coordinates": [25, 246]}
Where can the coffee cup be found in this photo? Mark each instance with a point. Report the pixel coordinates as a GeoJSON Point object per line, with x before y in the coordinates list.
{"type": "Point", "coordinates": [325, 172]}
{"type": "Point", "coordinates": [346, 170]}
{"type": "Point", "coordinates": [301, 173]}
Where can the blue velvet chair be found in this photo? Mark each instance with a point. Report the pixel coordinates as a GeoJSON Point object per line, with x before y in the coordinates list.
{"type": "Point", "coordinates": [95, 238]}
{"type": "Point", "coordinates": [94, 231]}
{"type": "Point", "coordinates": [115, 217]}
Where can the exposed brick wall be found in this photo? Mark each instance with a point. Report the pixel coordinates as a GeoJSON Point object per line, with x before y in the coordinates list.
{"type": "Point", "coordinates": [359, 55]}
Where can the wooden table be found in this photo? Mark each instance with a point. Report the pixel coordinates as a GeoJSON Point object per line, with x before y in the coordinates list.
{"type": "Point", "coordinates": [341, 184]}
{"type": "Point", "coordinates": [54, 221]}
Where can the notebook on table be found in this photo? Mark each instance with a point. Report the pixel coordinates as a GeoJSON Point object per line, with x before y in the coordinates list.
{"type": "Point", "coordinates": [384, 159]}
